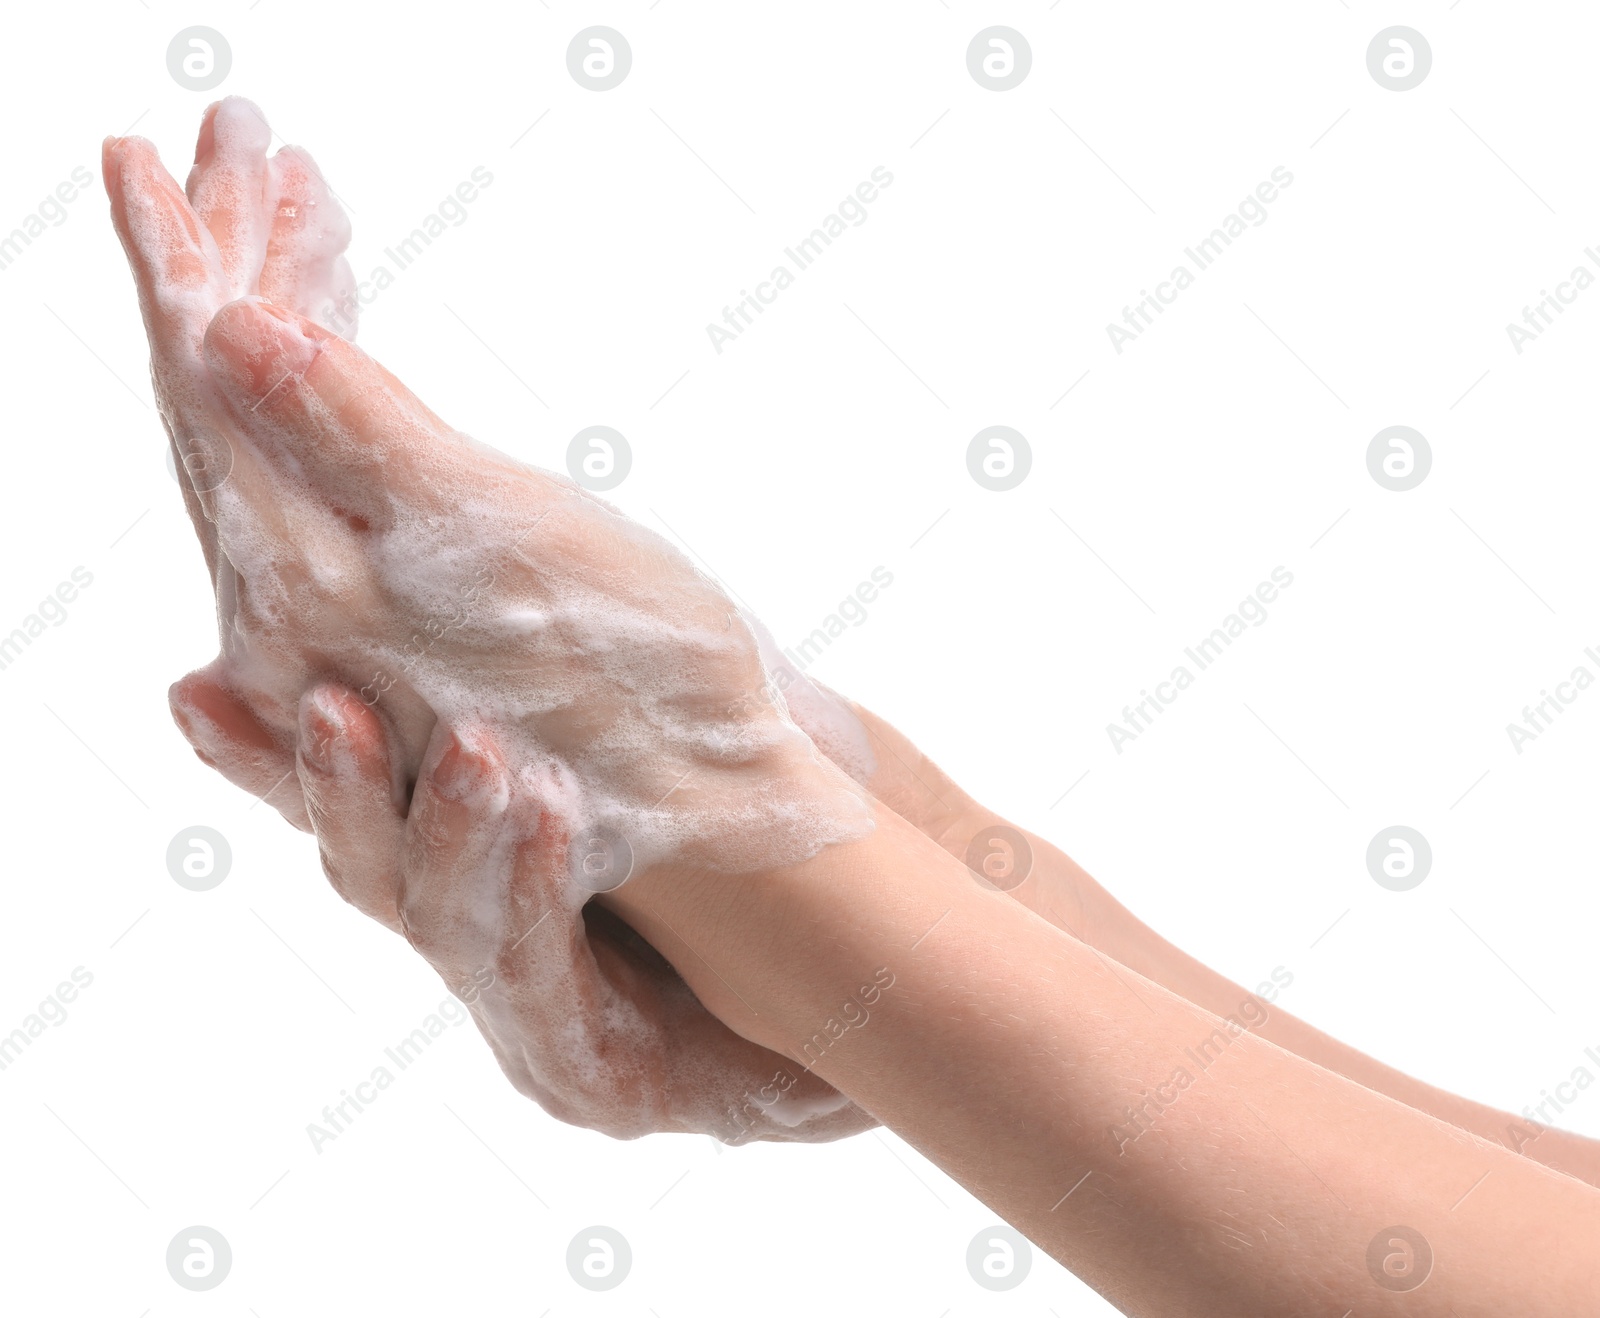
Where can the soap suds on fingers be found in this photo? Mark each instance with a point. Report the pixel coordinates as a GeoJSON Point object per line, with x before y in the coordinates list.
{"type": "Point", "coordinates": [640, 716]}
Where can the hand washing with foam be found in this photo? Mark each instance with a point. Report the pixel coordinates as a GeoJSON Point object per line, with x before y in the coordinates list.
{"type": "Point", "coordinates": [599, 685]}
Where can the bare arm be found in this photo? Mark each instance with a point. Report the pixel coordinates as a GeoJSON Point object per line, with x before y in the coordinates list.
{"type": "Point", "coordinates": [1179, 1166]}
{"type": "Point", "coordinates": [1176, 1168]}
{"type": "Point", "coordinates": [1062, 892]}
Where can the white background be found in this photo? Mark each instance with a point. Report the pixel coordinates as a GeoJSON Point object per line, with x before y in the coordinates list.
{"type": "Point", "coordinates": [826, 442]}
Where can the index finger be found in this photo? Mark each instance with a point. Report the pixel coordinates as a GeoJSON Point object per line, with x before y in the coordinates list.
{"type": "Point", "coordinates": [177, 267]}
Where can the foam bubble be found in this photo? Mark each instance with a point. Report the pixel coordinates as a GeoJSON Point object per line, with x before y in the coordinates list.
{"type": "Point", "coordinates": [450, 585]}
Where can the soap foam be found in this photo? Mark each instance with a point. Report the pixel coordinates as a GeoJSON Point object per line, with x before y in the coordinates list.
{"type": "Point", "coordinates": [450, 585]}
{"type": "Point", "coordinates": [635, 704]}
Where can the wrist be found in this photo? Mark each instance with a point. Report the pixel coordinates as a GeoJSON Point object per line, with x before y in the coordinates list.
{"type": "Point", "coordinates": [774, 953]}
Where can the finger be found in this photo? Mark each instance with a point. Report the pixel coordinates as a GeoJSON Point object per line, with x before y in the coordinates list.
{"type": "Point", "coordinates": [488, 894]}
{"type": "Point", "coordinates": [453, 831]}
{"type": "Point", "coordinates": [177, 271]}
{"type": "Point", "coordinates": [228, 188]}
{"type": "Point", "coordinates": [486, 903]}
{"type": "Point", "coordinates": [711, 1081]}
{"type": "Point", "coordinates": [597, 1033]}
{"type": "Point", "coordinates": [304, 268]}
{"type": "Point", "coordinates": [328, 408]}
{"type": "Point", "coordinates": [624, 1044]}
{"type": "Point", "coordinates": [227, 735]}
{"type": "Point", "coordinates": [176, 264]}
{"type": "Point", "coordinates": [345, 775]}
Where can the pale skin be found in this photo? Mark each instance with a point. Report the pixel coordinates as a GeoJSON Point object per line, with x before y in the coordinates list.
{"type": "Point", "coordinates": [1006, 1049]}
{"type": "Point", "coordinates": [1062, 892]}
{"type": "Point", "coordinates": [1009, 1052]}
{"type": "Point", "coordinates": [958, 1056]}
{"type": "Point", "coordinates": [321, 483]}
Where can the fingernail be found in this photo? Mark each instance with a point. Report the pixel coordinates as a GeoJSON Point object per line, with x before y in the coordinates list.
{"type": "Point", "coordinates": [321, 728]}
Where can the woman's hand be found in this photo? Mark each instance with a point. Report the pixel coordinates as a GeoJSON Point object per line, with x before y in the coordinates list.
{"type": "Point", "coordinates": [610, 702]}
{"type": "Point", "coordinates": [250, 225]}
{"type": "Point", "coordinates": [356, 537]}
{"type": "Point", "coordinates": [584, 1016]}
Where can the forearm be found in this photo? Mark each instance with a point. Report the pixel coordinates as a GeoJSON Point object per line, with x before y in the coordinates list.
{"type": "Point", "coordinates": [1027, 1066]}
{"type": "Point", "coordinates": [1064, 894]}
